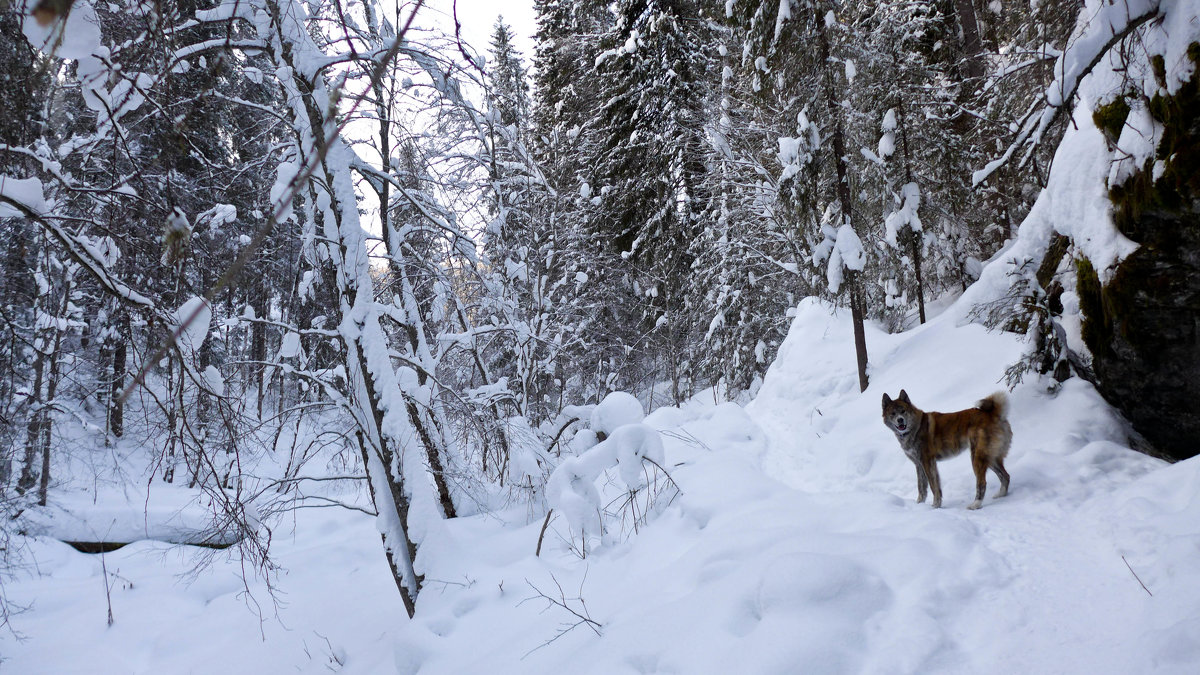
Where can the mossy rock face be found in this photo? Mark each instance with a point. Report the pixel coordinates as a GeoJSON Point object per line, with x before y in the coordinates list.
{"type": "Point", "coordinates": [1143, 326]}
{"type": "Point", "coordinates": [1146, 344]}
{"type": "Point", "coordinates": [1110, 119]}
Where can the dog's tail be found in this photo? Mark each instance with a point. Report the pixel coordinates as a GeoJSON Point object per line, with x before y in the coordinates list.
{"type": "Point", "coordinates": [996, 404]}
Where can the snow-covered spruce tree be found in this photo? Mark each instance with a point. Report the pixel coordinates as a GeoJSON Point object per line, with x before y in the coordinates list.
{"type": "Point", "coordinates": [885, 96]}
{"type": "Point", "coordinates": [513, 243]}
{"type": "Point", "coordinates": [994, 61]}
{"type": "Point", "coordinates": [646, 167]}
{"type": "Point", "coordinates": [905, 118]}
{"type": "Point", "coordinates": [584, 309]}
{"type": "Point", "coordinates": [508, 91]}
{"type": "Point", "coordinates": [747, 253]}
{"type": "Point", "coordinates": [934, 66]}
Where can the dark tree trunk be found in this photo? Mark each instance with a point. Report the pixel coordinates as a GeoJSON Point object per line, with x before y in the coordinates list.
{"type": "Point", "coordinates": [258, 345]}
{"type": "Point", "coordinates": [857, 312]}
{"type": "Point", "coordinates": [971, 44]}
{"type": "Point", "coordinates": [857, 302]}
{"type": "Point", "coordinates": [44, 479]}
{"type": "Point", "coordinates": [116, 409]}
{"type": "Point", "coordinates": [436, 467]}
{"type": "Point", "coordinates": [916, 236]}
{"type": "Point", "coordinates": [916, 249]}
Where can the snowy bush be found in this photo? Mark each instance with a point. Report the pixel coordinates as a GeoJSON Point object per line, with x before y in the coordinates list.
{"type": "Point", "coordinates": [610, 487]}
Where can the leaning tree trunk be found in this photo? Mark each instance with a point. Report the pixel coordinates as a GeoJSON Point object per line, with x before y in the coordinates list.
{"type": "Point", "coordinates": [376, 395]}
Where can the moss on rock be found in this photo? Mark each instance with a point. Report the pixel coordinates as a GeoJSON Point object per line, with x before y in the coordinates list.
{"type": "Point", "coordinates": [1110, 119]}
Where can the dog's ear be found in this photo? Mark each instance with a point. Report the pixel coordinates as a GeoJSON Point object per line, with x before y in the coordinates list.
{"type": "Point", "coordinates": [904, 397]}
{"type": "Point", "coordinates": [886, 400]}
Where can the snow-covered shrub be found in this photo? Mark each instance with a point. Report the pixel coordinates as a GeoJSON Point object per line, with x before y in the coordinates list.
{"type": "Point", "coordinates": [610, 487]}
{"type": "Point", "coordinates": [529, 464]}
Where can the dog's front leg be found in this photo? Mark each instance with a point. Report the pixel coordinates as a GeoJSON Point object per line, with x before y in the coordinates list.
{"type": "Point", "coordinates": [922, 483]}
{"type": "Point", "coordinates": [935, 481]}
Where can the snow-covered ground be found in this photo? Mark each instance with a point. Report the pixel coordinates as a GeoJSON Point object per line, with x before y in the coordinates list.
{"type": "Point", "coordinates": [795, 546]}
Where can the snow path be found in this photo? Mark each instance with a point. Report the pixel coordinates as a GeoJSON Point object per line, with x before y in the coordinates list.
{"type": "Point", "coordinates": [1057, 596]}
{"type": "Point", "coordinates": [797, 545]}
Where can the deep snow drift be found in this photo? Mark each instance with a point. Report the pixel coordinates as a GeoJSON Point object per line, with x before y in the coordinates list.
{"type": "Point", "coordinates": [795, 546]}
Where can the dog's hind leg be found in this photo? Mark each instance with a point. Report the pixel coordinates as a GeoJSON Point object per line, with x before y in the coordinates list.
{"type": "Point", "coordinates": [980, 464]}
{"type": "Point", "coordinates": [997, 466]}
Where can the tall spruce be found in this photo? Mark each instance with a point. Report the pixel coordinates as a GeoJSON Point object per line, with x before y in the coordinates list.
{"type": "Point", "coordinates": [646, 168]}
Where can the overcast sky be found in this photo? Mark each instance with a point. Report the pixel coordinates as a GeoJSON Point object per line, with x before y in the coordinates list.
{"type": "Point", "coordinates": [478, 17]}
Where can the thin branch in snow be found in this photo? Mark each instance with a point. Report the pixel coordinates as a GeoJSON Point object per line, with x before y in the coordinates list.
{"type": "Point", "coordinates": [1102, 33]}
{"type": "Point", "coordinates": [578, 617]}
{"type": "Point", "coordinates": [1135, 576]}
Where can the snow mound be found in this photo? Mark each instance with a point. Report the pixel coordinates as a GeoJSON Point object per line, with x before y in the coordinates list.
{"type": "Point", "coordinates": [616, 410]}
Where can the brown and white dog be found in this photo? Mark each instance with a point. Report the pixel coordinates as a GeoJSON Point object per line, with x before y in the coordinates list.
{"type": "Point", "coordinates": [927, 437]}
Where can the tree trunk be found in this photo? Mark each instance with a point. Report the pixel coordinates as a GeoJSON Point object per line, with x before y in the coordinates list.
{"type": "Point", "coordinates": [366, 348]}
{"type": "Point", "coordinates": [971, 44]}
{"type": "Point", "coordinates": [916, 249]}
{"type": "Point", "coordinates": [44, 479]}
{"type": "Point", "coordinates": [399, 571]}
{"type": "Point", "coordinates": [52, 391]}
{"type": "Point", "coordinates": [860, 336]}
{"type": "Point", "coordinates": [436, 468]}
{"type": "Point", "coordinates": [916, 236]}
{"type": "Point", "coordinates": [116, 406]}
{"type": "Point", "coordinates": [33, 428]}
{"type": "Point", "coordinates": [857, 302]}
{"type": "Point", "coordinates": [36, 400]}
{"type": "Point", "coordinates": [258, 345]}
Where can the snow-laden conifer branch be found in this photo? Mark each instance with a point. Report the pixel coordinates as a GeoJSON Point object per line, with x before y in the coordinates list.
{"type": "Point", "coordinates": [1095, 36]}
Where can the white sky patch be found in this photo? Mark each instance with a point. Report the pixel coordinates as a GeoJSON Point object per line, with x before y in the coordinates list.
{"type": "Point", "coordinates": [478, 17]}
